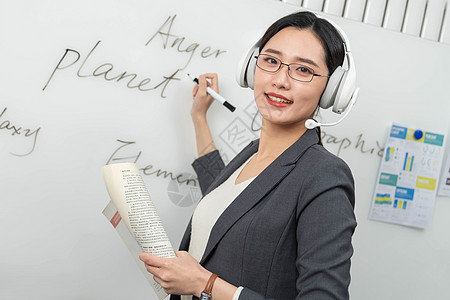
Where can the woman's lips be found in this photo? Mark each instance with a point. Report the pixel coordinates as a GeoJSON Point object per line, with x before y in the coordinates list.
{"type": "Point", "coordinates": [277, 100]}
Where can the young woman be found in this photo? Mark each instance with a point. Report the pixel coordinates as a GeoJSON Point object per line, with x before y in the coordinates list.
{"type": "Point", "coordinates": [277, 221]}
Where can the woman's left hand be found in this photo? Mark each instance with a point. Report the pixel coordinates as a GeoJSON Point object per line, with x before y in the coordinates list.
{"type": "Point", "coordinates": [181, 275]}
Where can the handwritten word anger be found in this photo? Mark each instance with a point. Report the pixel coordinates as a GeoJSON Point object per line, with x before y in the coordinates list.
{"type": "Point", "coordinates": [170, 41]}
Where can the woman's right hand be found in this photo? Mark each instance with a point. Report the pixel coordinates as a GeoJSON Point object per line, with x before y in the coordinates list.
{"type": "Point", "coordinates": [202, 100]}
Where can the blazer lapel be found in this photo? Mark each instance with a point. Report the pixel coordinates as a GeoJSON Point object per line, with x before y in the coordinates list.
{"type": "Point", "coordinates": [235, 163]}
{"type": "Point", "coordinates": [260, 186]}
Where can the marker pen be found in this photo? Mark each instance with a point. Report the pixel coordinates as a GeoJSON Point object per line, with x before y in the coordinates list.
{"type": "Point", "coordinates": [216, 95]}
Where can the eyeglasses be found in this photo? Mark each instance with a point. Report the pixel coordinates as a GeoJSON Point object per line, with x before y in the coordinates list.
{"type": "Point", "coordinates": [296, 71]}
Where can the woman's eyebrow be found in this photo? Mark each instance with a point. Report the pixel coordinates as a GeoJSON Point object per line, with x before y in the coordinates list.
{"type": "Point", "coordinates": [301, 59]}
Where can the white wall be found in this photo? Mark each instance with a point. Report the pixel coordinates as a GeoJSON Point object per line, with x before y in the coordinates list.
{"type": "Point", "coordinates": [55, 243]}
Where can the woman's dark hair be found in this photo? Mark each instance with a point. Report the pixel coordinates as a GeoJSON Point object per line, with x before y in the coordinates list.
{"type": "Point", "coordinates": [325, 32]}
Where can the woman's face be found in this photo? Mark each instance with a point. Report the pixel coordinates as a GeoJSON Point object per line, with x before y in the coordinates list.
{"type": "Point", "coordinates": [281, 99]}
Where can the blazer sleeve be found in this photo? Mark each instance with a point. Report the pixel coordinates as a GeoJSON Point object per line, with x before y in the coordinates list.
{"type": "Point", "coordinates": [207, 167]}
{"type": "Point", "coordinates": [325, 225]}
{"type": "Point", "coordinates": [324, 232]}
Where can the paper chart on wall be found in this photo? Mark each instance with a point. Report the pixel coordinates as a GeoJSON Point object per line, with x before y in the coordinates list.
{"type": "Point", "coordinates": [444, 187]}
{"type": "Point", "coordinates": [406, 184]}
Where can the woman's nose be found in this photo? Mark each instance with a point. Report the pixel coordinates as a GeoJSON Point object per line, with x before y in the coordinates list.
{"type": "Point", "coordinates": [281, 78]}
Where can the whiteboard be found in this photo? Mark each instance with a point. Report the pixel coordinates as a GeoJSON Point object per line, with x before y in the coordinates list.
{"type": "Point", "coordinates": [92, 82]}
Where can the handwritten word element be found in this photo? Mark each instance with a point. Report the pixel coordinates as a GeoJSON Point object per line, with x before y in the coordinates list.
{"type": "Point", "coordinates": [105, 70]}
{"type": "Point", "coordinates": [17, 131]}
{"type": "Point", "coordinates": [116, 157]}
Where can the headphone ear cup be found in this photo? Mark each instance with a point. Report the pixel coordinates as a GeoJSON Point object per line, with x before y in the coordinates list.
{"type": "Point", "coordinates": [245, 73]}
{"type": "Point", "coordinates": [250, 73]}
{"type": "Point", "coordinates": [345, 92]}
{"type": "Point", "coordinates": [329, 94]}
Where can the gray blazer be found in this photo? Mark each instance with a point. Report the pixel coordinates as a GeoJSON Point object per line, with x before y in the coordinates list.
{"type": "Point", "coordinates": [288, 234]}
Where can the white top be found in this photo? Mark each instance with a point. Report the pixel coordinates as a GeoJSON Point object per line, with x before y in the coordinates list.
{"type": "Point", "coordinates": [209, 210]}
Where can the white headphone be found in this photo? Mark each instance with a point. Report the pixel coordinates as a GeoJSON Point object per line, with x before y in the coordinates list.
{"type": "Point", "coordinates": [341, 86]}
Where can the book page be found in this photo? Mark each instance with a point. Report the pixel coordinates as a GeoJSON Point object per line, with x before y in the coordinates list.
{"type": "Point", "coordinates": [113, 216]}
{"type": "Point", "coordinates": [130, 196]}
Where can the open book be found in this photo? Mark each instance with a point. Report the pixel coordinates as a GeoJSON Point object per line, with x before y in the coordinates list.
{"type": "Point", "coordinates": [131, 205]}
